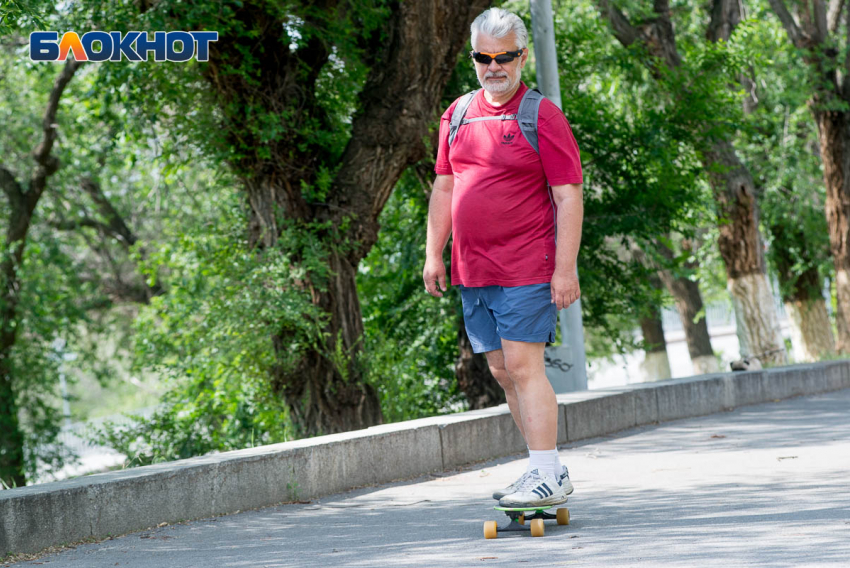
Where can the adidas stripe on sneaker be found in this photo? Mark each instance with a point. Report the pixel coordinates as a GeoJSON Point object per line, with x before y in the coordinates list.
{"type": "Point", "coordinates": [537, 490]}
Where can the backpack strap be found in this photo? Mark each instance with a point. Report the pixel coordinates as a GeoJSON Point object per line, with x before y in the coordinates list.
{"type": "Point", "coordinates": [529, 108]}
{"type": "Point", "coordinates": [526, 116]}
{"type": "Point", "coordinates": [458, 113]}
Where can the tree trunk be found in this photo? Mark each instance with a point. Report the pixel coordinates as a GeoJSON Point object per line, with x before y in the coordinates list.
{"type": "Point", "coordinates": [410, 62]}
{"type": "Point", "coordinates": [834, 140]}
{"type": "Point", "coordinates": [473, 374]}
{"type": "Point", "coordinates": [21, 205]}
{"type": "Point", "coordinates": [731, 184]}
{"type": "Point", "coordinates": [742, 251]}
{"type": "Point", "coordinates": [689, 303]}
{"type": "Point", "coordinates": [740, 243]}
{"type": "Point", "coordinates": [811, 331]}
{"type": "Point", "coordinates": [656, 364]}
{"type": "Point", "coordinates": [757, 328]}
{"type": "Point", "coordinates": [11, 437]}
{"type": "Point", "coordinates": [325, 393]}
{"type": "Point", "coordinates": [820, 41]}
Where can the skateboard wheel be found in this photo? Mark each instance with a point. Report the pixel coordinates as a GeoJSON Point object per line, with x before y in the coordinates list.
{"type": "Point", "coordinates": [537, 527]}
{"type": "Point", "coordinates": [521, 519]}
{"type": "Point", "coordinates": [490, 529]}
{"type": "Point", "coordinates": [563, 516]}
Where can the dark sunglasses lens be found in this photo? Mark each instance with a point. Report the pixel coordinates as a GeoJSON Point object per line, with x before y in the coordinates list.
{"type": "Point", "coordinates": [486, 59]}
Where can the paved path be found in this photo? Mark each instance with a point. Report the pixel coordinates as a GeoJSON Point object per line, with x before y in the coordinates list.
{"type": "Point", "coordinates": [764, 485]}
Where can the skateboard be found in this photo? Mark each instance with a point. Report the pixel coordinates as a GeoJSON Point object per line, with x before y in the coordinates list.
{"type": "Point", "coordinates": [518, 518]}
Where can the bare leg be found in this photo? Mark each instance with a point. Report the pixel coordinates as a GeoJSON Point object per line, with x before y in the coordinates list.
{"type": "Point", "coordinates": [497, 366]}
{"type": "Point", "coordinates": [537, 403]}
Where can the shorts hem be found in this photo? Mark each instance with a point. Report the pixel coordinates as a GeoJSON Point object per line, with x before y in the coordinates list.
{"type": "Point", "coordinates": [485, 348]}
{"type": "Point", "coordinates": [546, 337]}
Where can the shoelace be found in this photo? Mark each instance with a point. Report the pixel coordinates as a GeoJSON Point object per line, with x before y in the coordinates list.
{"type": "Point", "coordinates": [518, 483]}
{"type": "Point", "coordinates": [531, 481]}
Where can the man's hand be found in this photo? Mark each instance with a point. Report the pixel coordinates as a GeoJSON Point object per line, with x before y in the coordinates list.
{"type": "Point", "coordinates": [565, 289]}
{"type": "Point", "coordinates": [435, 272]}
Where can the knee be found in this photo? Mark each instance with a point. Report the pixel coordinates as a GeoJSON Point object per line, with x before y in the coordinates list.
{"type": "Point", "coordinates": [502, 377]}
{"type": "Point", "coordinates": [519, 373]}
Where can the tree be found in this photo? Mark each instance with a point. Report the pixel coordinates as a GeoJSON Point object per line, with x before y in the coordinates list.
{"type": "Point", "coordinates": [815, 33]}
{"type": "Point", "coordinates": [322, 107]}
{"type": "Point", "coordinates": [734, 191]}
{"type": "Point", "coordinates": [22, 202]}
{"type": "Point", "coordinates": [642, 176]}
{"type": "Point", "coordinates": [780, 144]}
{"type": "Point", "coordinates": [677, 278]}
{"type": "Point", "coordinates": [656, 364]}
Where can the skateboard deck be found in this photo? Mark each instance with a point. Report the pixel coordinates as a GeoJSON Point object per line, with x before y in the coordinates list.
{"type": "Point", "coordinates": [518, 517]}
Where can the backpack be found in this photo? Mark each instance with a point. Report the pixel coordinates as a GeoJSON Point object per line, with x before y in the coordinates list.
{"type": "Point", "coordinates": [526, 115]}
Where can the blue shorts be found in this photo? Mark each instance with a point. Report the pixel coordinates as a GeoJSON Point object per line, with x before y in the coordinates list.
{"type": "Point", "coordinates": [518, 313]}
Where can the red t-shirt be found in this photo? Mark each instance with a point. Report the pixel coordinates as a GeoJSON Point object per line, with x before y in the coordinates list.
{"type": "Point", "coordinates": [503, 219]}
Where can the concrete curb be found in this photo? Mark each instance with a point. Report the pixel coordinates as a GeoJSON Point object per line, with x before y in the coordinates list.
{"type": "Point", "coordinates": [34, 518]}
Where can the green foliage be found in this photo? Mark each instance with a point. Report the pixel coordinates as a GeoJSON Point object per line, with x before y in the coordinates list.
{"type": "Point", "coordinates": [779, 142]}
{"type": "Point", "coordinates": [168, 151]}
{"type": "Point", "coordinates": [641, 168]}
{"type": "Point", "coordinates": [210, 337]}
{"type": "Point", "coordinates": [56, 289]}
{"type": "Point", "coordinates": [248, 127]}
{"type": "Point", "coordinates": [45, 306]}
{"type": "Point", "coordinates": [411, 337]}
{"type": "Point", "coordinates": [16, 14]}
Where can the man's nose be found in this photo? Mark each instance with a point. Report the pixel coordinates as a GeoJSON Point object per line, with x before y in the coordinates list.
{"type": "Point", "coordinates": [493, 67]}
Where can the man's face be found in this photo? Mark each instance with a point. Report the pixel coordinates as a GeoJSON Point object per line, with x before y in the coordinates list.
{"type": "Point", "coordinates": [497, 78]}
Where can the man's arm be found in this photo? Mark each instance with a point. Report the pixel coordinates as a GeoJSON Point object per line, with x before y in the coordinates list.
{"type": "Point", "coordinates": [439, 229]}
{"type": "Point", "coordinates": [565, 287]}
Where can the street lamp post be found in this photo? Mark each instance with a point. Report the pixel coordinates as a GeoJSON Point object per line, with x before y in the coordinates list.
{"type": "Point", "coordinates": [566, 364]}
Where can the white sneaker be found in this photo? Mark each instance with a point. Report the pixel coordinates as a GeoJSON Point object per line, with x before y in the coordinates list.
{"type": "Point", "coordinates": [565, 481]}
{"type": "Point", "coordinates": [510, 488]}
{"type": "Point", "coordinates": [537, 490]}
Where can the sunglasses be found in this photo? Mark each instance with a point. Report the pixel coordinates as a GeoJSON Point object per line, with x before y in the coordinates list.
{"type": "Point", "coordinates": [501, 58]}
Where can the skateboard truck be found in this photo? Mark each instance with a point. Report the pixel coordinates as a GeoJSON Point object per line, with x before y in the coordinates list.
{"type": "Point", "coordinates": [518, 518]}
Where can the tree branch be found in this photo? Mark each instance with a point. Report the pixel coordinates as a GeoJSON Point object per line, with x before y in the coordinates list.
{"type": "Point", "coordinates": [398, 102]}
{"type": "Point", "coordinates": [11, 188]}
{"type": "Point", "coordinates": [47, 164]}
{"type": "Point", "coordinates": [115, 225]}
{"type": "Point", "coordinates": [624, 31]}
{"type": "Point", "coordinates": [725, 16]}
{"type": "Point", "coordinates": [795, 34]}
{"type": "Point", "coordinates": [656, 35]}
{"type": "Point", "coordinates": [845, 83]}
{"type": "Point", "coordinates": [73, 225]}
{"type": "Point", "coordinates": [820, 31]}
{"type": "Point", "coordinates": [833, 16]}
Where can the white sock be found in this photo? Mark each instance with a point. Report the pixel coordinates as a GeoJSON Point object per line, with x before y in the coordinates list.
{"type": "Point", "coordinates": [545, 461]}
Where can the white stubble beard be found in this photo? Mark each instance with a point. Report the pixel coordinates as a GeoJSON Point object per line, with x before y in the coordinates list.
{"type": "Point", "coordinates": [502, 86]}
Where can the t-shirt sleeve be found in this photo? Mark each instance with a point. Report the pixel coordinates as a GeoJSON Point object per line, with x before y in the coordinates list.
{"type": "Point", "coordinates": [443, 167]}
{"type": "Point", "coordinates": [558, 147]}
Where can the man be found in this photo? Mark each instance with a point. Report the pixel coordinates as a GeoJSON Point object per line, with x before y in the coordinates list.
{"type": "Point", "coordinates": [515, 265]}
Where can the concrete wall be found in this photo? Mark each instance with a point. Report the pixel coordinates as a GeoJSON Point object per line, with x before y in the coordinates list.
{"type": "Point", "coordinates": [33, 518]}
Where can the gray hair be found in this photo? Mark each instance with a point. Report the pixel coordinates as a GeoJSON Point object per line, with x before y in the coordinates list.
{"type": "Point", "coordinates": [498, 23]}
